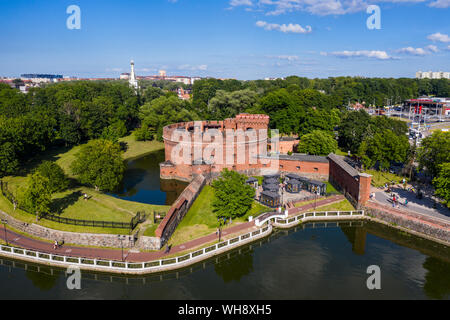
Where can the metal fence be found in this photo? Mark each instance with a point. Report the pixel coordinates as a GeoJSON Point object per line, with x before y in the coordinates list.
{"type": "Point", "coordinates": [138, 218]}
{"type": "Point", "coordinates": [178, 261]}
{"type": "Point", "coordinates": [131, 267]}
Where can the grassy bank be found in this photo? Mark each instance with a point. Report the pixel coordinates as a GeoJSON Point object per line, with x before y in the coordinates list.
{"type": "Point", "coordinates": [379, 178]}
{"type": "Point", "coordinates": [343, 205]}
{"type": "Point", "coordinates": [70, 203]}
{"type": "Point", "coordinates": [201, 220]}
{"type": "Point", "coordinates": [136, 149]}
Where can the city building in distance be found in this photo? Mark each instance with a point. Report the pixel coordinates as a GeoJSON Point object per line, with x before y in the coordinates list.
{"type": "Point", "coordinates": [432, 75]}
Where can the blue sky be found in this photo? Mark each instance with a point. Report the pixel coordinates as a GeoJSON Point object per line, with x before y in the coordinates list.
{"type": "Point", "coordinates": [243, 39]}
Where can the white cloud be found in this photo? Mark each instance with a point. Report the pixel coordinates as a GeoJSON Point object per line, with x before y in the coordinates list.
{"type": "Point", "coordinates": [324, 7]}
{"type": "Point", "coordinates": [376, 54]}
{"type": "Point", "coordinates": [419, 51]}
{"type": "Point", "coordinates": [440, 4]}
{"type": "Point", "coordinates": [236, 3]}
{"type": "Point", "coordinates": [439, 37]}
{"type": "Point", "coordinates": [202, 67]}
{"type": "Point", "coordinates": [290, 28]}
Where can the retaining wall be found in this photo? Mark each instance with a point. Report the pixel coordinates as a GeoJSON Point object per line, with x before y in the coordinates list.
{"type": "Point", "coordinates": [179, 209]}
{"type": "Point", "coordinates": [422, 225]}
{"type": "Point", "coordinates": [84, 239]}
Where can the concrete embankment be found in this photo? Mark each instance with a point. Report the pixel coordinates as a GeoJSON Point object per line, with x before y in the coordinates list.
{"type": "Point", "coordinates": [428, 227]}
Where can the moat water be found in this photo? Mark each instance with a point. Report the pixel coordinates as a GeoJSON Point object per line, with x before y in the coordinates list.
{"type": "Point", "coordinates": [142, 182]}
{"type": "Point", "coordinates": [302, 263]}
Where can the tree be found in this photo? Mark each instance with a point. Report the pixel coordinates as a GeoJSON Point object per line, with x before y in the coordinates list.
{"type": "Point", "coordinates": [37, 197]}
{"type": "Point", "coordinates": [232, 196]}
{"type": "Point", "coordinates": [164, 111]}
{"type": "Point", "coordinates": [353, 129]}
{"type": "Point", "coordinates": [434, 151]}
{"type": "Point", "coordinates": [319, 143]}
{"type": "Point", "coordinates": [442, 183]}
{"type": "Point", "coordinates": [114, 131]}
{"type": "Point", "coordinates": [99, 163]}
{"type": "Point", "coordinates": [384, 148]}
{"type": "Point", "coordinates": [229, 104]}
{"type": "Point", "coordinates": [55, 174]}
{"type": "Point", "coordinates": [143, 134]}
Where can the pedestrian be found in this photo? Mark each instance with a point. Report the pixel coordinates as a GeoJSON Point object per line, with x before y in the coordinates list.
{"type": "Point", "coordinates": [406, 202]}
{"type": "Point", "coordinates": [55, 245]}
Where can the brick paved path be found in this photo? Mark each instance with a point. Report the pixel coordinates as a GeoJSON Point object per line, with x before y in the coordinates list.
{"type": "Point", "coordinates": [18, 240]}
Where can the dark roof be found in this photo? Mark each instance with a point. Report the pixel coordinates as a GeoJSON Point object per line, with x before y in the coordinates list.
{"type": "Point", "coordinates": [269, 194]}
{"type": "Point", "coordinates": [293, 181]}
{"type": "Point", "coordinates": [340, 161]}
{"type": "Point", "coordinates": [319, 183]}
{"type": "Point", "coordinates": [272, 176]}
{"type": "Point", "coordinates": [299, 157]}
{"type": "Point", "coordinates": [251, 179]}
{"type": "Point", "coordinates": [271, 187]}
{"type": "Point", "coordinates": [293, 176]}
{"type": "Point", "coordinates": [270, 181]}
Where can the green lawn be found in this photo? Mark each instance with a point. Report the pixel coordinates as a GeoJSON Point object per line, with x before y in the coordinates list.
{"type": "Point", "coordinates": [201, 220]}
{"type": "Point", "coordinates": [70, 204]}
{"type": "Point", "coordinates": [344, 205]}
{"type": "Point", "coordinates": [331, 189]}
{"type": "Point", "coordinates": [380, 178]}
{"type": "Point", "coordinates": [136, 149]}
{"type": "Point", "coordinates": [150, 231]}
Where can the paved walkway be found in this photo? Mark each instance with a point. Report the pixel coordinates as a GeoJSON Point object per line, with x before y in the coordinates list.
{"type": "Point", "coordinates": [18, 240]}
{"type": "Point", "coordinates": [422, 206]}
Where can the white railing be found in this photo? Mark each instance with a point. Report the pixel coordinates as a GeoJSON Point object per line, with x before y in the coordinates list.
{"type": "Point", "coordinates": [318, 216]}
{"type": "Point", "coordinates": [261, 221]}
{"type": "Point", "coordinates": [133, 267]}
{"type": "Point", "coordinates": [280, 220]}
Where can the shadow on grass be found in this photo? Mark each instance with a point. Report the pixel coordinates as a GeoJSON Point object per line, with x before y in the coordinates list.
{"type": "Point", "coordinates": [52, 154]}
{"type": "Point", "coordinates": [59, 205]}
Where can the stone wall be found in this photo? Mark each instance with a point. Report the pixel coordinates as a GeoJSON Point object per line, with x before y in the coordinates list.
{"type": "Point", "coordinates": [425, 225]}
{"type": "Point", "coordinates": [85, 239]}
{"type": "Point", "coordinates": [149, 243]}
{"type": "Point", "coordinates": [179, 209]}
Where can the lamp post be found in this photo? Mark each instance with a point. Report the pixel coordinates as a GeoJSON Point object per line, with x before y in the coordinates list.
{"type": "Point", "coordinates": [5, 222]}
{"type": "Point", "coordinates": [121, 238]}
{"type": "Point", "coordinates": [219, 220]}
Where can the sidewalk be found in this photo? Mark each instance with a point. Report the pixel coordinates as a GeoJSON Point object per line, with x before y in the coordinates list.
{"type": "Point", "coordinates": [22, 241]}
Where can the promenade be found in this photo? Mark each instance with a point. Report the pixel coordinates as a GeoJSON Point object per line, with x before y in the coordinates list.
{"type": "Point", "coordinates": [130, 255]}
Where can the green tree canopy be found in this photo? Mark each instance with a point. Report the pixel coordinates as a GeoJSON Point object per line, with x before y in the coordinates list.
{"type": "Point", "coordinates": [319, 143]}
{"type": "Point", "coordinates": [232, 196]}
{"type": "Point", "coordinates": [384, 148]}
{"type": "Point", "coordinates": [229, 104]}
{"type": "Point", "coordinates": [164, 111]}
{"type": "Point", "coordinates": [434, 151]}
{"type": "Point", "coordinates": [37, 197]}
{"type": "Point", "coordinates": [99, 163]}
{"type": "Point", "coordinates": [442, 183]}
{"type": "Point", "coordinates": [55, 174]}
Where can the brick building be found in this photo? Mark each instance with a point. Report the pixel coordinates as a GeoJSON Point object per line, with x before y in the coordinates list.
{"type": "Point", "coordinates": [201, 148]}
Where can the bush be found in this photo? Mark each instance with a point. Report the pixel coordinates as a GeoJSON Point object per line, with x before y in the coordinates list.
{"type": "Point", "coordinates": [55, 174]}
{"type": "Point", "coordinates": [143, 134]}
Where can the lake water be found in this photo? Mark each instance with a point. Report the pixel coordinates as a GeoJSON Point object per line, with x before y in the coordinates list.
{"type": "Point", "coordinates": [142, 182]}
{"type": "Point", "coordinates": [302, 263]}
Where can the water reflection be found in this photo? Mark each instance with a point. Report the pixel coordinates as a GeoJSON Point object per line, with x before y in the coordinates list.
{"type": "Point", "coordinates": [142, 182]}
{"type": "Point", "coordinates": [305, 262]}
{"type": "Point", "coordinates": [233, 269]}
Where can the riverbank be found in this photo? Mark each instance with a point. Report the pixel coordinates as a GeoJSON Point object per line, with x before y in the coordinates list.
{"type": "Point", "coordinates": [71, 204]}
{"type": "Point", "coordinates": [185, 258]}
